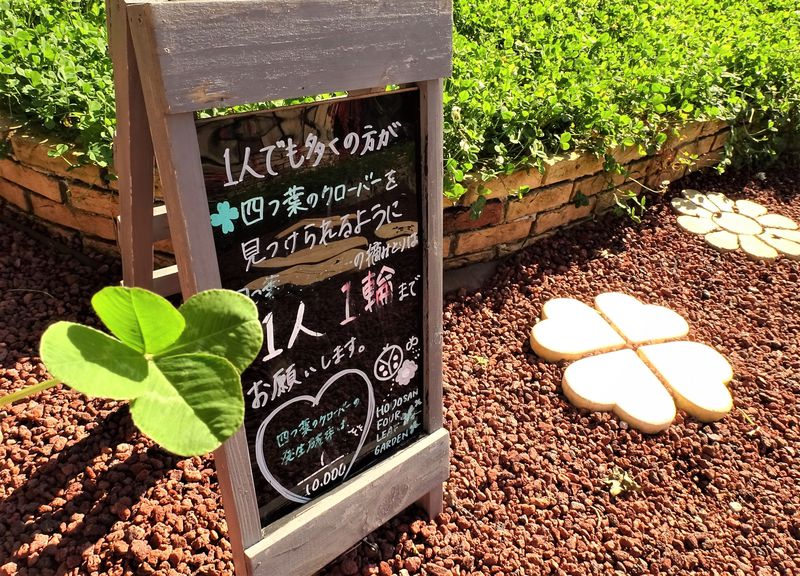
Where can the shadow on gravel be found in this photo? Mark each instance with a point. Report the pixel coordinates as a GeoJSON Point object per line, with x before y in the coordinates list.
{"type": "Point", "coordinates": [55, 501]}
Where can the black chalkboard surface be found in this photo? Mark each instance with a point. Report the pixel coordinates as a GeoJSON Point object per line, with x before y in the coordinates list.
{"type": "Point", "coordinates": [316, 214]}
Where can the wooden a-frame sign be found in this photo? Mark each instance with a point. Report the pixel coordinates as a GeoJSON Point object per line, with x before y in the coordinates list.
{"type": "Point", "coordinates": [174, 58]}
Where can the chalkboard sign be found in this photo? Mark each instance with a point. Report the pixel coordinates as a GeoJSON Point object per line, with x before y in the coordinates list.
{"type": "Point", "coordinates": [316, 216]}
{"type": "Point", "coordinates": [328, 215]}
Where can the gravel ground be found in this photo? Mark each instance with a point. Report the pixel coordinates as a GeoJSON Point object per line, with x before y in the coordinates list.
{"type": "Point", "coordinates": [82, 493]}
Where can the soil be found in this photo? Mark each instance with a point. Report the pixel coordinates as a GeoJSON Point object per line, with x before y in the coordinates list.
{"type": "Point", "coordinates": [81, 492]}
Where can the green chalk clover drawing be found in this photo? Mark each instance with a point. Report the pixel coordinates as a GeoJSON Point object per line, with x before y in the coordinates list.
{"type": "Point", "coordinates": [630, 358]}
{"type": "Point", "coordinates": [728, 225]}
{"type": "Point", "coordinates": [224, 217]}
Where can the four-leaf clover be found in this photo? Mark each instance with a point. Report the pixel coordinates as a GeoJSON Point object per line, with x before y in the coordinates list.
{"type": "Point", "coordinates": [630, 359]}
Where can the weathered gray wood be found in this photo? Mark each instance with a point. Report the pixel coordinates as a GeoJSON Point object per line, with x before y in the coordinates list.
{"type": "Point", "coordinates": [238, 496]}
{"type": "Point", "coordinates": [304, 542]}
{"type": "Point", "coordinates": [432, 183]}
{"type": "Point", "coordinates": [176, 147]}
{"type": "Point", "coordinates": [215, 53]}
{"type": "Point", "coordinates": [133, 155]}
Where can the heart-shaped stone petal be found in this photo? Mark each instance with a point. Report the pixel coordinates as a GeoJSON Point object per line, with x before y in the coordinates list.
{"type": "Point", "coordinates": [750, 208]}
{"type": "Point", "coordinates": [697, 225]}
{"type": "Point", "coordinates": [721, 201]}
{"type": "Point", "coordinates": [640, 323]}
{"type": "Point", "coordinates": [689, 208]}
{"type": "Point", "coordinates": [756, 249]}
{"type": "Point", "coordinates": [777, 221]}
{"type": "Point", "coordinates": [786, 247]}
{"type": "Point", "coordinates": [723, 240]}
{"type": "Point", "coordinates": [700, 199]}
{"type": "Point", "coordinates": [570, 329]}
{"type": "Point", "coordinates": [696, 375]}
{"type": "Point", "coordinates": [793, 235]}
{"type": "Point", "coordinates": [621, 382]}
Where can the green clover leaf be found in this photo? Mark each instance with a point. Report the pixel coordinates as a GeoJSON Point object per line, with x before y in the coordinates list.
{"type": "Point", "coordinates": [179, 368]}
{"type": "Point", "coordinates": [220, 322]}
{"type": "Point", "coordinates": [143, 320]}
{"type": "Point", "coordinates": [195, 404]}
{"type": "Point", "coordinates": [94, 363]}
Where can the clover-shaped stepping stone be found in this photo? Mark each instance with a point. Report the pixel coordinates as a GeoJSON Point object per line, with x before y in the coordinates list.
{"type": "Point", "coordinates": [729, 225]}
{"type": "Point", "coordinates": [629, 360]}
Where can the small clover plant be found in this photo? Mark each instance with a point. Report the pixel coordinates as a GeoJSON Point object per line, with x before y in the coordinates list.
{"type": "Point", "coordinates": [179, 368]}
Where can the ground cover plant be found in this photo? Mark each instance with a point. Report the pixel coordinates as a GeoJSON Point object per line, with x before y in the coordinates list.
{"type": "Point", "coordinates": [54, 70]}
{"type": "Point", "coordinates": [530, 79]}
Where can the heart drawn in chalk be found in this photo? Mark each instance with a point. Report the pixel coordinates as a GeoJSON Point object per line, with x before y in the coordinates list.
{"type": "Point", "coordinates": [311, 451]}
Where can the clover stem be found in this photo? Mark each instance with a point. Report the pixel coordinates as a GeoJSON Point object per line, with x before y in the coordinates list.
{"type": "Point", "coordinates": [27, 391]}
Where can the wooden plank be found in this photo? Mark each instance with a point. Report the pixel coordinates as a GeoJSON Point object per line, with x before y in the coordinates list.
{"type": "Point", "coordinates": [176, 147]}
{"type": "Point", "coordinates": [235, 477]}
{"type": "Point", "coordinates": [216, 53]}
{"type": "Point", "coordinates": [432, 182]}
{"type": "Point", "coordinates": [332, 523]}
{"type": "Point", "coordinates": [160, 223]}
{"type": "Point", "coordinates": [133, 155]}
{"type": "Point", "coordinates": [166, 281]}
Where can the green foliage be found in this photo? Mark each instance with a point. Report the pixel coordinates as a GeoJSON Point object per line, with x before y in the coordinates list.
{"type": "Point", "coordinates": [620, 482]}
{"type": "Point", "coordinates": [534, 78]}
{"type": "Point", "coordinates": [628, 203]}
{"type": "Point", "coordinates": [531, 78]}
{"type": "Point", "coordinates": [179, 368]}
{"type": "Point", "coordinates": [54, 70]}
{"type": "Point", "coordinates": [580, 200]}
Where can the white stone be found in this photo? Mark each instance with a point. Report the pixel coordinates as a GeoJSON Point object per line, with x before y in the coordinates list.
{"type": "Point", "coordinates": [777, 221]}
{"type": "Point", "coordinates": [756, 249]}
{"type": "Point", "coordinates": [696, 375]}
{"type": "Point", "coordinates": [689, 208]}
{"type": "Point", "coordinates": [722, 240]}
{"type": "Point", "coordinates": [640, 323]}
{"type": "Point", "coordinates": [570, 329]}
{"type": "Point", "coordinates": [697, 225]}
{"type": "Point", "coordinates": [737, 223]}
{"type": "Point", "coordinates": [700, 199]}
{"type": "Point", "coordinates": [721, 201]}
{"type": "Point", "coordinates": [621, 382]}
{"type": "Point", "coordinates": [750, 208]}
{"type": "Point", "coordinates": [785, 247]}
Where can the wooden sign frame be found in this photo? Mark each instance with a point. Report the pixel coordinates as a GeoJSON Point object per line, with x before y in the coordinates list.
{"type": "Point", "coordinates": [173, 58]}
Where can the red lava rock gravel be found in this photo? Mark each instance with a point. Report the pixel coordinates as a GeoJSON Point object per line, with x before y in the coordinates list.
{"type": "Point", "coordinates": [81, 492]}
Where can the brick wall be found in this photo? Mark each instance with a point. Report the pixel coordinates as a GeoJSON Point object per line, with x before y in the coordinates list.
{"type": "Point", "coordinates": [75, 202]}
{"type": "Point", "coordinates": [82, 202]}
{"type": "Point", "coordinates": [509, 223]}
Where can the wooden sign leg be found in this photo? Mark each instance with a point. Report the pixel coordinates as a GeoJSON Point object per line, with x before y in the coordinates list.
{"type": "Point", "coordinates": [133, 155]}
{"type": "Point", "coordinates": [432, 178]}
